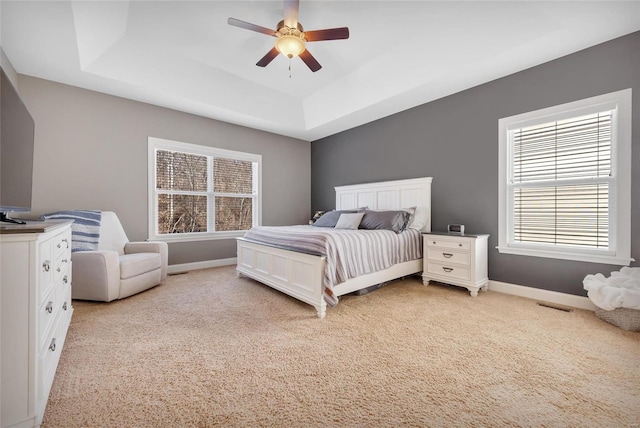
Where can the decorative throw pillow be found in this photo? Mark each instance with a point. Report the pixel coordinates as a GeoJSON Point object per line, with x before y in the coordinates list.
{"type": "Point", "coordinates": [349, 221]}
{"type": "Point", "coordinates": [389, 220]}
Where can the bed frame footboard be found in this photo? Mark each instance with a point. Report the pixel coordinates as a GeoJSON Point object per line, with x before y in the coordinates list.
{"type": "Point", "coordinates": [296, 274]}
{"type": "Point", "coordinates": [300, 275]}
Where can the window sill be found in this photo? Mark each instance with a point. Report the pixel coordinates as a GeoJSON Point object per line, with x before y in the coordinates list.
{"type": "Point", "coordinates": [188, 237]}
{"type": "Point", "coordinates": [581, 257]}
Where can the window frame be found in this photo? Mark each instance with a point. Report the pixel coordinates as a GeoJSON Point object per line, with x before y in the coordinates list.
{"type": "Point", "coordinates": [619, 251]}
{"type": "Point", "coordinates": [154, 144]}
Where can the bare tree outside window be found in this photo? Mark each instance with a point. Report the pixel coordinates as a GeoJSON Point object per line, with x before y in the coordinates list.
{"type": "Point", "coordinates": [199, 193]}
{"type": "Point", "coordinates": [233, 177]}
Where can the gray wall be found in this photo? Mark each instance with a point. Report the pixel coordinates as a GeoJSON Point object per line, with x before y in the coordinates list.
{"type": "Point", "coordinates": [91, 153]}
{"type": "Point", "coordinates": [455, 140]}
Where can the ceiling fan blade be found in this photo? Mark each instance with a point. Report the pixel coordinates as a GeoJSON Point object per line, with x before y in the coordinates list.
{"type": "Point", "coordinates": [310, 61]}
{"type": "Point", "coordinates": [250, 26]}
{"type": "Point", "coordinates": [291, 13]}
{"type": "Point", "coordinates": [328, 34]}
{"type": "Point", "coordinates": [268, 58]}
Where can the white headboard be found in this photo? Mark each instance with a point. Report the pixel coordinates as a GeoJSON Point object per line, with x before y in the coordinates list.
{"type": "Point", "coordinates": [387, 195]}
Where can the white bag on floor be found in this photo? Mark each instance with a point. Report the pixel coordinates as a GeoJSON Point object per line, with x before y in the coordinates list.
{"type": "Point", "coordinates": [621, 290]}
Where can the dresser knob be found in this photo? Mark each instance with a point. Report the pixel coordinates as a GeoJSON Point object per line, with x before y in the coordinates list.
{"type": "Point", "coordinates": [58, 270]}
{"type": "Point", "coordinates": [46, 266]}
{"type": "Point", "coordinates": [459, 245]}
{"type": "Point", "coordinates": [65, 261]}
{"type": "Point", "coordinates": [64, 306]}
{"type": "Point", "coordinates": [65, 240]}
{"type": "Point", "coordinates": [65, 279]}
{"type": "Point", "coordinates": [49, 307]}
{"type": "Point", "coordinates": [52, 347]}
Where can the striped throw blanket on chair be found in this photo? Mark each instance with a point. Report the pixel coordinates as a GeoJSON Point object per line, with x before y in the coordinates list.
{"type": "Point", "coordinates": [85, 230]}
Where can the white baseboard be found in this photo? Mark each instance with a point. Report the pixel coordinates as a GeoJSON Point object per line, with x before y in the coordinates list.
{"type": "Point", "coordinates": [501, 287]}
{"type": "Point", "coordinates": [186, 267]}
{"type": "Point", "coordinates": [543, 295]}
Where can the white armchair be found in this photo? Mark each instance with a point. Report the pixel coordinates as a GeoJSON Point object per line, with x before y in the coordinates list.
{"type": "Point", "coordinates": [119, 268]}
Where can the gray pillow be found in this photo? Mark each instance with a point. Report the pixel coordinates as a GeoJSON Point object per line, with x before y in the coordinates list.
{"type": "Point", "coordinates": [349, 221]}
{"type": "Point", "coordinates": [388, 220]}
{"type": "Point", "coordinates": [330, 218]}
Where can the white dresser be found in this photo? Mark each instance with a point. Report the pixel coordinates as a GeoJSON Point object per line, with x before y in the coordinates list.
{"type": "Point", "coordinates": [456, 259]}
{"type": "Point", "coordinates": [35, 281]}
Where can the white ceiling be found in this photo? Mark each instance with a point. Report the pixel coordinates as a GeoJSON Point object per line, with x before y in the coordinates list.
{"type": "Point", "coordinates": [183, 54]}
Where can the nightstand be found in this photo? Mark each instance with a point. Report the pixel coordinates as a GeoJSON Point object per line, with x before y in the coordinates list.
{"type": "Point", "coordinates": [456, 259]}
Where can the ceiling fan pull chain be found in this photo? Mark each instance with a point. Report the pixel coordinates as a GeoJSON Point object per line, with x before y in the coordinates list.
{"type": "Point", "coordinates": [289, 68]}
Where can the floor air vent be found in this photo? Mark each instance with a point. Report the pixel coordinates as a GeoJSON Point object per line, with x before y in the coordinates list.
{"type": "Point", "coordinates": [554, 306]}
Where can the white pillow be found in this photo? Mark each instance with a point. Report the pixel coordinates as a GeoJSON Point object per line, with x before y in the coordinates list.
{"type": "Point", "coordinates": [349, 221]}
{"type": "Point", "coordinates": [419, 218]}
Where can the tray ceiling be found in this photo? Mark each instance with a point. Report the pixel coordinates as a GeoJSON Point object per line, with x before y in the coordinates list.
{"type": "Point", "coordinates": [183, 55]}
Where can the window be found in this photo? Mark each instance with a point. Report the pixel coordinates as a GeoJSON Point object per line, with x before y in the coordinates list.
{"type": "Point", "coordinates": [198, 192]}
{"type": "Point", "coordinates": [565, 181]}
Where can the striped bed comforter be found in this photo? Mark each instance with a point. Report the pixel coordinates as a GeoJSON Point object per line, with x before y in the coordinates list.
{"type": "Point", "coordinates": [349, 253]}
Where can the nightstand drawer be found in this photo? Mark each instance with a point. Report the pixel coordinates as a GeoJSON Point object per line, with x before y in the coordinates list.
{"type": "Point", "coordinates": [459, 257]}
{"type": "Point", "coordinates": [448, 271]}
{"type": "Point", "coordinates": [443, 243]}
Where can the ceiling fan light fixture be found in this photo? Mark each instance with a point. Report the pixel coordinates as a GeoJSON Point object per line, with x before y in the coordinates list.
{"type": "Point", "coordinates": [290, 46]}
{"type": "Point", "coordinates": [291, 39]}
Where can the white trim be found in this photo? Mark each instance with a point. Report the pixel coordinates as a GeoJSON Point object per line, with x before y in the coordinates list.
{"type": "Point", "coordinates": [497, 286]}
{"type": "Point", "coordinates": [620, 198]}
{"type": "Point", "coordinates": [578, 256]}
{"type": "Point", "coordinates": [539, 294]}
{"type": "Point", "coordinates": [186, 267]}
{"type": "Point", "coordinates": [201, 236]}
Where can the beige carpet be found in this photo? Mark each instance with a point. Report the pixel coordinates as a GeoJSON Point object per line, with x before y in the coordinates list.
{"type": "Point", "coordinates": [209, 349]}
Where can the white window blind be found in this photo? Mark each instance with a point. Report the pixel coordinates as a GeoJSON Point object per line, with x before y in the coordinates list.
{"type": "Point", "coordinates": [565, 181]}
{"type": "Point", "coordinates": [560, 181]}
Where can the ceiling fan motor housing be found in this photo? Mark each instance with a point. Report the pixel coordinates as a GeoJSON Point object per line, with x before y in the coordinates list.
{"type": "Point", "coordinates": [290, 41]}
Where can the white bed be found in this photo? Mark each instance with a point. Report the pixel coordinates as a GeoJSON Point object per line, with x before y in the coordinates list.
{"type": "Point", "coordinates": [300, 275]}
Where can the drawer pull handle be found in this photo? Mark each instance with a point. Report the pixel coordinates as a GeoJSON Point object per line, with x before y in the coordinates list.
{"type": "Point", "coordinates": [58, 269]}
{"type": "Point", "coordinates": [64, 306]}
{"type": "Point", "coordinates": [52, 347]}
{"type": "Point", "coordinates": [46, 266]}
{"type": "Point", "coordinates": [447, 269]}
{"type": "Point", "coordinates": [49, 307]}
{"type": "Point", "coordinates": [65, 279]}
{"type": "Point", "coordinates": [65, 261]}
{"type": "Point", "coordinates": [447, 255]}
{"type": "Point", "coordinates": [65, 240]}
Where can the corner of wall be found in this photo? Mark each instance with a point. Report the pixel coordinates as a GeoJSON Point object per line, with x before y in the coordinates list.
{"type": "Point", "coordinates": [8, 68]}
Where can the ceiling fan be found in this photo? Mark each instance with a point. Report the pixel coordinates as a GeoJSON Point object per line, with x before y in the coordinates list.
{"type": "Point", "coordinates": [291, 38]}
